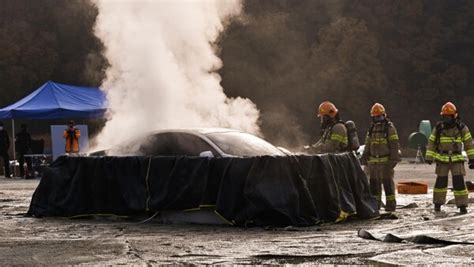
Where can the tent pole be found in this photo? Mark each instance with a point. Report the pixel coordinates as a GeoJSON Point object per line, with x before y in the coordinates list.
{"type": "Point", "coordinates": [13, 139]}
{"type": "Point", "coordinates": [12, 143]}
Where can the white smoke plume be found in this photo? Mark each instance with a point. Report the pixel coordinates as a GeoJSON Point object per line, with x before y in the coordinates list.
{"type": "Point", "coordinates": [163, 65]}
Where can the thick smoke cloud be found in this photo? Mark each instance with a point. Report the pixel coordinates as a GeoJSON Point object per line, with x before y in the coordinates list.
{"type": "Point", "coordinates": [163, 65]}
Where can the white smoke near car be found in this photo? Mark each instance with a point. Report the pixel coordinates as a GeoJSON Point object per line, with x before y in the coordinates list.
{"type": "Point", "coordinates": [163, 68]}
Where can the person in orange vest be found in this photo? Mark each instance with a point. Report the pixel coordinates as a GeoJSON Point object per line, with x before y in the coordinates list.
{"type": "Point", "coordinates": [445, 146]}
{"type": "Point", "coordinates": [72, 134]}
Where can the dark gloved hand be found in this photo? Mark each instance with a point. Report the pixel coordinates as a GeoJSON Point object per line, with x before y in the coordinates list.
{"type": "Point", "coordinates": [429, 161]}
{"type": "Point", "coordinates": [471, 164]}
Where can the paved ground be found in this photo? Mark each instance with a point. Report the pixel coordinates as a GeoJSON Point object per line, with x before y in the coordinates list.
{"type": "Point", "coordinates": [117, 241]}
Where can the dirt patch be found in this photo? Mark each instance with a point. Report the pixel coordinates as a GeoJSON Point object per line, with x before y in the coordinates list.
{"type": "Point", "coordinates": [48, 252]}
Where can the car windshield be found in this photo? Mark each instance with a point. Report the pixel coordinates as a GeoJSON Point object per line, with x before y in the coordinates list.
{"type": "Point", "coordinates": [243, 144]}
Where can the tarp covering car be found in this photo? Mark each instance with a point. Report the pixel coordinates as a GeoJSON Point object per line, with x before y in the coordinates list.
{"type": "Point", "coordinates": [290, 190]}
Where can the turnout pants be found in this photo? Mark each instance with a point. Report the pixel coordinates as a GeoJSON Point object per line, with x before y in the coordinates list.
{"type": "Point", "coordinates": [6, 162]}
{"type": "Point", "coordinates": [21, 161]}
{"type": "Point", "coordinates": [382, 174]}
{"type": "Point", "coordinates": [441, 185]}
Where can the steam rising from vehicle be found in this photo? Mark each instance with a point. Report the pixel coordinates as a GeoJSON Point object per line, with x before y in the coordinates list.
{"type": "Point", "coordinates": [163, 68]}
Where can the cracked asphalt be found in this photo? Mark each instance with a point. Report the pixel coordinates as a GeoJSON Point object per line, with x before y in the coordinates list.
{"type": "Point", "coordinates": [112, 240]}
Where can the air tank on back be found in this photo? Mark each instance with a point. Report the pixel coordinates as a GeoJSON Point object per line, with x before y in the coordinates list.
{"type": "Point", "coordinates": [352, 136]}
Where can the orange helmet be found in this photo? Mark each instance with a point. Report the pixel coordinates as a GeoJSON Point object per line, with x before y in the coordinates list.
{"type": "Point", "coordinates": [327, 108]}
{"type": "Point", "coordinates": [449, 109]}
{"type": "Point", "coordinates": [377, 110]}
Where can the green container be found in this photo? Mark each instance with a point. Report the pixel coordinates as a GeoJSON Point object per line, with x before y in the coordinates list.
{"type": "Point", "coordinates": [417, 140]}
{"type": "Point", "coordinates": [425, 128]}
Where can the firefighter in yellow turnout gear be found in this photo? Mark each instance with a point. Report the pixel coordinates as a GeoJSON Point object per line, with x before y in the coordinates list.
{"type": "Point", "coordinates": [445, 148]}
{"type": "Point", "coordinates": [333, 131]}
{"type": "Point", "coordinates": [381, 154]}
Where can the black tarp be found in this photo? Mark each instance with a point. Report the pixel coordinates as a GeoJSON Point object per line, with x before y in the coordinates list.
{"type": "Point", "coordinates": [290, 190]}
{"type": "Point", "coordinates": [417, 239]}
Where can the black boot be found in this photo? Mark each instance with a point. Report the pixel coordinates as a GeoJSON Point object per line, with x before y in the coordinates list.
{"type": "Point", "coordinates": [437, 208]}
{"type": "Point", "coordinates": [391, 205]}
{"type": "Point", "coordinates": [462, 210]}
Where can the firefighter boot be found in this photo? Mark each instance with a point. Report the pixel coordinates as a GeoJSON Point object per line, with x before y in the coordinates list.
{"type": "Point", "coordinates": [463, 210]}
{"type": "Point", "coordinates": [439, 192]}
{"type": "Point", "coordinates": [391, 205]}
{"type": "Point", "coordinates": [461, 195]}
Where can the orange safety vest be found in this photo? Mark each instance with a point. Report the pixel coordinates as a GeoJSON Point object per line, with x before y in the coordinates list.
{"type": "Point", "coordinates": [72, 142]}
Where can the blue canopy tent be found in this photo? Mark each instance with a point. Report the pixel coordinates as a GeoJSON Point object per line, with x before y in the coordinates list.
{"type": "Point", "coordinates": [57, 101]}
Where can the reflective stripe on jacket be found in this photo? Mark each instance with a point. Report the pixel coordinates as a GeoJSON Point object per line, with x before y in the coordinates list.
{"type": "Point", "coordinates": [333, 140]}
{"type": "Point", "coordinates": [450, 146]}
{"type": "Point", "coordinates": [382, 144]}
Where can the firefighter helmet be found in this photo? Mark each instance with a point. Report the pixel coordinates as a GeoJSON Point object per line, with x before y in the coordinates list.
{"type": "Point", "coordinates": [449, 109]}
{"type": "Point", "coordinates": [327, 108]}
{"type": "Point", "coordinates": [377, 110]}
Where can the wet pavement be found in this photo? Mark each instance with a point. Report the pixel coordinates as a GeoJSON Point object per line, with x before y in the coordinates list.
{"type": "Point", "coordinates": [115, 240]}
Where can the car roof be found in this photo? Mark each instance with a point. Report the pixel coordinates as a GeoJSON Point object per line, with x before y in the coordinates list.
{"type": "Point", "coordinates": [203, 131]}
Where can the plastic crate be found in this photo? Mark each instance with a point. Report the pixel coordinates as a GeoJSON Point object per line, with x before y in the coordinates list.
{"type": "Point", "coordinates": [412, 188]}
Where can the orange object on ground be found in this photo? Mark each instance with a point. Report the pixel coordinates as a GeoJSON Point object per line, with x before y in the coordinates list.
{"type": "Point", "coordinates": [412, 188]}
{"type": "Point", "coordinates": [470, 186]}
